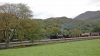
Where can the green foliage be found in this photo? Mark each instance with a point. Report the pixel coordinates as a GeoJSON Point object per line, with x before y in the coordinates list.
{"type": "Point", "coordinates": [30, 29]}
{"type": "Point", "coordinates": [55, 30]}
{"type": "Point", "coordinates": [96, 29]}
{"type": "Point", "coordinates": [76, 31]}
{"type": "Point", "coordinates": [43, 32]}
{"type": "Point", "coordinates": [18, 18]}
{"type": "Point", "coordinates": [65, 32]}
{"type": "Point", "coordinates": [65, 23]}
{"type": "Point", "coordinates": [70, 24]}
{"type": "Point", "coordinates": [10, 14]}
{"type": "Point", "coordinates": [48, 32]}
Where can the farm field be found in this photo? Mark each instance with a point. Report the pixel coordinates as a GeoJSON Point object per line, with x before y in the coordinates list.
{"type": "Point", "coordinates": [78, 48]}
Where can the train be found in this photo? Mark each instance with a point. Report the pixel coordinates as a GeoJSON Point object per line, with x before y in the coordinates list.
{"type": "Point", "coordinates": [57, 36]}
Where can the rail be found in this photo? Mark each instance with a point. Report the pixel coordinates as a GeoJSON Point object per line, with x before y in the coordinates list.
{"type": "Point", "coordinates": [46, 41]}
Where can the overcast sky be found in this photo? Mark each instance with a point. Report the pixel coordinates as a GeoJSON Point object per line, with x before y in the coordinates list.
{"type": "Point", "coordinates": [57, 8]}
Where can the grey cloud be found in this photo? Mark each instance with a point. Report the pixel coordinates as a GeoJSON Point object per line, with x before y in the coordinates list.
{"type": "Point", "coordinates": [94, 1]}
{"type": "Point", "coordinates": [43, 15]}
{"type": "Point", "coordinates": [98, 5]}
{"type": "Point", "coordinates": [1, 3]}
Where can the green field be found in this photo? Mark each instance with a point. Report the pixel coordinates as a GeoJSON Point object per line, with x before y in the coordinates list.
{"type": "Point", "coordinates": [79, 48]}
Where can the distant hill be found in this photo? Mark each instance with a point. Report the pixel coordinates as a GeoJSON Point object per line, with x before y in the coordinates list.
{"type": "Point", "coordinates": [69, 24]}
{"type": "Point", "coordinates": [63, 23]}
{"type": "Point", "coordinates": [88, 15]}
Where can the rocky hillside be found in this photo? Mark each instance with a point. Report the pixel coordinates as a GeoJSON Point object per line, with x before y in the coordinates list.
{"type": "Point", "coordinates": [88, 15]}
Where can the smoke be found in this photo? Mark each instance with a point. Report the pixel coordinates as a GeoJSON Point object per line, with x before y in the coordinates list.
{"type": "Point", "coordinates": [62, 29]}
{"type": "Point", "coordinates": [68, 26]}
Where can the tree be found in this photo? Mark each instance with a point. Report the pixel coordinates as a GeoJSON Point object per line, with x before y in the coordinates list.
{"type": "Point", "coordinates": [29, 29]}
{"type": "Point", "coordinates": [48, 32]}
{"type": "Point", "coordinates": [96, 29]}
{"type": "Point", "coordinates": [65, 32]}
{"type": "Point", "coordinates": [56, 30]}
{"type": "Point", "coordinates": [19, 10]}
{"type": "Point", "coordinates": [6, 19]}
{"type": "Point", "coordinates": [43, 33]}
{"type": "Point", "coordinates": [23, 11]}
{"type": "Point", "coordinates": [36, 31]}
{"type": "Point", "coordinates": [9, 18]}
{"type": "Point", "coordinates": [76, 31]}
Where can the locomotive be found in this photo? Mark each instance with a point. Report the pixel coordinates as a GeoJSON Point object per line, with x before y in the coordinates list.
{"type": "Point", "coordinates": [57, 36]}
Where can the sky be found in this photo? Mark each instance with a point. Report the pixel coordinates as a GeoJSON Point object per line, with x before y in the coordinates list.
{"type": "Point", "coordinates": [43, 9]}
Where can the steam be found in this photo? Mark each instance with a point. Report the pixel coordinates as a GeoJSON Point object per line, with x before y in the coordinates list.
{"type": "Point", "coordinates": [67, 26]}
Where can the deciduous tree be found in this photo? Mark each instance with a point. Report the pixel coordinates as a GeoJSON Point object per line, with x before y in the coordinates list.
{"type": "Point", "coordinates": [9, 15]}
{"type": "Point", "coordinates": [56, 30]}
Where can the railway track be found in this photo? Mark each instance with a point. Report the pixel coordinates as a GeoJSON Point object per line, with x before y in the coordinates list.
{"type": "Point", "coordinates": [46, 41]}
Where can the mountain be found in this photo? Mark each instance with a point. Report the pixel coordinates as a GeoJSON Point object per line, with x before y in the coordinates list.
{"type": "Point", "coordinates": [88, 15]}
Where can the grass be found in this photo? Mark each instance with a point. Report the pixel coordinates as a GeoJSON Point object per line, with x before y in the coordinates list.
{"type": "Point", "coordinates": [79, 48]}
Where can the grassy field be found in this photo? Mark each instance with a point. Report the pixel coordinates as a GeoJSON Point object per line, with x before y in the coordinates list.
{"type": "Point", "coordinates": [79, 48]}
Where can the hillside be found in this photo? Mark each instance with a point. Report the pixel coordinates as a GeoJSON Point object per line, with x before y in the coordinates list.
{"type": "Point", "coordinates": [88, 15]}
{"type": "Point", "coordinates": [65, 23]}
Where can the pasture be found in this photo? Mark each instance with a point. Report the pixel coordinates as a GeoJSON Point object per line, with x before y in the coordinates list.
{"type": "Point", "coordinates": [78, 48]}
